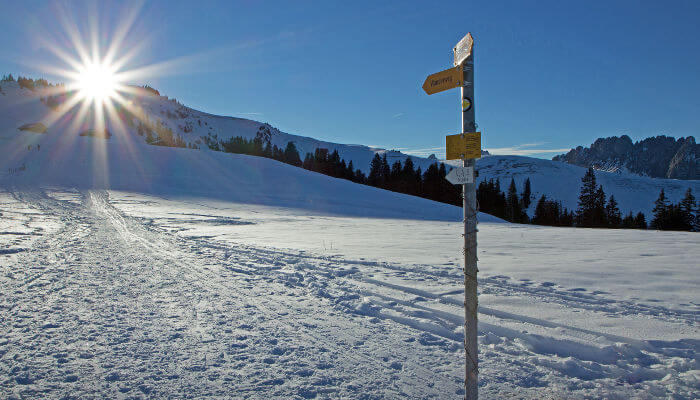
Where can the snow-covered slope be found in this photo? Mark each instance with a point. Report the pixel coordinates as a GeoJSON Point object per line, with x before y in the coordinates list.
{"type": "Point", "coordinates": [193, 126]}
{"type": "Point", "coordinates": [557, 180]}
{"type": "Point", "coordinates": [561, 181]}
{"type": "Point", "coordinates": [126, 162]}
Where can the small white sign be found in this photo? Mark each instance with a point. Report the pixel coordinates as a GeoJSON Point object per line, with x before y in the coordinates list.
{"type": "Point", "coordinates": [461, 175]}
{"type": "Point", "coordinates": [463, 49]}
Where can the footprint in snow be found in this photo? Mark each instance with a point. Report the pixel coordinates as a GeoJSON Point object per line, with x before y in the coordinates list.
{"type": "Point", "coordinates": [396, 365]}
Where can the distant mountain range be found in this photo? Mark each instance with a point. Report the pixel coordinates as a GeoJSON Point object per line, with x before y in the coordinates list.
{"type": "Point", "coordinates": [655, 157]}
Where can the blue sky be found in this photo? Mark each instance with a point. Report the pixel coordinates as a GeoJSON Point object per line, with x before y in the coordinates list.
{"type": "Point", "coordinates": [549, 75]}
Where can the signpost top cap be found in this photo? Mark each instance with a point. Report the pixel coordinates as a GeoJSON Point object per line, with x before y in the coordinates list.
{"type": "Point", "coordinates": [463, 49]}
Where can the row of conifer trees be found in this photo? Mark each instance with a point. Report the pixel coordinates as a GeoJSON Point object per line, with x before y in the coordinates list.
{"type": "Point", "coordinates": [595, 209]}
{"type": "Point", "coordinates": [397, 177]}
{"type": "Point", "coordinates": [681, 216]}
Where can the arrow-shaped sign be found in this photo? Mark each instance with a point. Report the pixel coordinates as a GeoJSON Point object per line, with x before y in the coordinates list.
{"type": "Point", "coordinates": [443, 80]}
{"type": "Point", "coordinates": [463, 49]}
{"type": "Point", "coordinates": [461, 175]}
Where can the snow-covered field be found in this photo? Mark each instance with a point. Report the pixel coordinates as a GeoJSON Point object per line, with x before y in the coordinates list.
{"type": "Point", "coordinates": [119, 294]}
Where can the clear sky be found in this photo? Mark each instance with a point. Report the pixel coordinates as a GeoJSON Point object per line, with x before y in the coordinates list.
{"type": "Point", "coordinates": [549, 74]}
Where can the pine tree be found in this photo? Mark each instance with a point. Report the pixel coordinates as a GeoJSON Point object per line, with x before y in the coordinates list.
{"type": "Point", "coordinates": [351, 172]}
{"type": "Point", "coordinates": [277, 153]}
{"type": "Point", "coordinates": [448, 193]}
{"type": "Point", "coordinates": [540, 216]}
{"type": "Point", "coordinates": [527, 193]}
{"type": "Point", "coordinates": [375, 171]}
{"type": "Point", "coordinates": [267, 152]}
{"type": "Point", "coordinates": [291, 155]}
{"type": "Point", "coordinates": [599, 215]}
{"type": "Point", "coordinates": [335, 167]}
{"type": "Point", "coordinates": [385, 172]}
{"type": "Point", "coordinates": [514, 212]}
{"type": "Point", "coordinates": [567, 218]}
{"type": "Point", "coordinates": [431, 182]}
{"type": "Point", "coordinates": [688, 209]}
{"type": "Point", "coordinates": [419, 182]}
{"type": "Point", "coordinates": [395, 176]}
{"type": "Point", "coordinates": [586, 200]}
{"type": "Point", "coordinates": [258, 149]}
{"type": "Point", "coordinates": [676, 219]}
{"type": "Point", "coordinates": [342, 169]}
{"type": "Point", "coordinates": [491, 199]}
{"type": "Point", "coordinates": [612, 213]}
{"type": "Point", "coordinates": [661, 212]}
{"type": "Point", "coordinates": [552, 213]}
{"type": "Point", "coordinates": [628, 221]}
{"type": "Point", "coordinates": [640, 221]}
{"type": "Point", "coordinates": [410, 179]}
{"type": "Point", "coordinates": [360, 176]}
{"type": "Point", "coordinates": [501, 204]}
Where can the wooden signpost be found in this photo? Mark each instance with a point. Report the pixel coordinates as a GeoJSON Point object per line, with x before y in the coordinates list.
{"type": "Point", "coordinates": [467, 147]}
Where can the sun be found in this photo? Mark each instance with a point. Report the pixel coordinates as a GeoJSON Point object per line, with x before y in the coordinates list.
{"type": "Point", "coordinates": [97, 82]}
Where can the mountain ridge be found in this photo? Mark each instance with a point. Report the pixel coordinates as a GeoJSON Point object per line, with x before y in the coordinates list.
{"type": "Point", "coordinates": [656, 157]}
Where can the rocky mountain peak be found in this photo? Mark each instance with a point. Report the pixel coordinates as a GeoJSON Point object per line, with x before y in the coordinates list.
{"type": "Point", "coordinates": [657, 157]}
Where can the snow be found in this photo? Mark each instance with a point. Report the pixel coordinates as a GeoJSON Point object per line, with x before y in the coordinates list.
{"type": "Point", "coordinates": [144, 293]}
{"type": "Point", "coordinates": [129, 270]}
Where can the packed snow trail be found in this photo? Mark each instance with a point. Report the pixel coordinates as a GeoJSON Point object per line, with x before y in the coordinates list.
{"type": "Point", "coordinates": [100, 304]}
{"type": "Point", "coordinates": [107, 308]}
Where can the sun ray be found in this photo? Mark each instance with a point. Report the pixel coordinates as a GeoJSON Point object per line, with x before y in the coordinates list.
{"type": "Point", "coordinates": [74, 35]}
{"type": "Point", "coordinates": [121, 133]}
{"type": "Point", "coordinates": [101, 65]}
{"type": "Point", "coordinates": [62, 110]}
{"type": "Point", "coordinates": [130, 54]}
{"type": "Point", "coordinates": [121, 34]}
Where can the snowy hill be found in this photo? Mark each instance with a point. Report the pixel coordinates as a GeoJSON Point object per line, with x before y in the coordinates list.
{"type": "Point", "coordinates": [193, 126]}
{"type": "Point", "coordinates": [20, 106]}
{"type": "Point", "coordinates": [562, 181]}
{"type": "Point", "coordinates": [125, 162]}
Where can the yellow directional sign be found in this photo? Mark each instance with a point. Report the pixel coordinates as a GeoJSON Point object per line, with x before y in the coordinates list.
{"type": "Point", "coordinates": [466, 145]}
{"type": "Point", "coordinates": [443, 80]}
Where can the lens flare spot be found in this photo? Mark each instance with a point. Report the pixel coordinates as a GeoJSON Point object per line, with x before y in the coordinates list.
{"type": "Point", "coordinates": [97, 82]}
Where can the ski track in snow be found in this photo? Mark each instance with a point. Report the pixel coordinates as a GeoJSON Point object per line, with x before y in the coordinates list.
{"type": "Point", "coordinates": [99, 304]}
